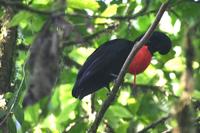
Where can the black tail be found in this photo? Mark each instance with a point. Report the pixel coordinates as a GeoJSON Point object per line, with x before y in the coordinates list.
{"type": "Point", "coordinates": [75, 91]}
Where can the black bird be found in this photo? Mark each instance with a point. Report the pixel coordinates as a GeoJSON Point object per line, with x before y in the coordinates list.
{"type": "Point", "coordinates": [102, 66]}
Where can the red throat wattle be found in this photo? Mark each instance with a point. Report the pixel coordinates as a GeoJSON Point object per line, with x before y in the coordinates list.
{"type": "Point", "coordinates": [140, 62]}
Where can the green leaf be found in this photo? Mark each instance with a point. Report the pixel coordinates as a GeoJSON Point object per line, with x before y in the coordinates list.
{"type": "Point", "coordinates": [120, 111]}
{"type": "Point", "coordinates": [79, 127]}
{"type": "Point", "coordinates": [19, 114]}
{"type": "Point", "coordinates": [83, 4]}
{"type": "Point", "coordinates": [2, 113]}
{"type": "Point", "coordinates": [175, 64]}
{"type": "Point", "coordinates": [122, 128]}
{"type": "Point", "coordinates": [55, 101]}
{"type": "Point", "coordinates": [67, 110]}
{"type": "Point", "coordinates": [8, 95]}
{"type": "Point", "coordinates": [163, 1]}
{"type": "Point", "coordinates": [134, 104]}
{"type": "Point", "coordinates": [19, 17]}
{"type": "Point", "coordinates": [11, 125]}
{"type": "Point", "coordinates": [112, 119]}
{"type": "Point", "coordinates": [31, 113]}
{"type": "Point", "coordinates": [115, 114]}
{"type": "Point", "coordinates": [148, 110]}
{"type": "Point", "coordinates": [196, 95]}
{"type": "Point", "coordinates": [36, 23]}
{"type": "Point", "coordinates": [143, 23]}
{"type": "Point", "coordinates": [42, 2]}
{"type": "Point", "coordinates": [68, 104]}
{"type": "Point", "coordinates": [1, 12]}
{"type": "Point", "coordinates": [110, 11]}
{"type": "Point", "coordinates": [80, 54]}
{"type": "Point", "coordinates": [122, 30]}
{"type": "Point", "coordinates": [121, 10]}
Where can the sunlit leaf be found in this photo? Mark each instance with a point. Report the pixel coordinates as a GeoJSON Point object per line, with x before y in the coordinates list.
{"type": "Point", "coordinates": [86, 4]}
{"type": "Point", "coordinates": [43, 2]}
{"type": "Point", "coordinates": [80, 54]}
{"type": "Point", "coordinates": [31, 113]}
{"type": "Point", "coordinates": [20, 17]}
{"type": "Point", "coordinates": [110, 11]}
{"type": "Point", "coordinates": [175, 64]}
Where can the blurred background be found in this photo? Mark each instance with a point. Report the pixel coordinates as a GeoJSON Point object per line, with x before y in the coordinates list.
{"type": "Point", "coordinates": [82, 26]}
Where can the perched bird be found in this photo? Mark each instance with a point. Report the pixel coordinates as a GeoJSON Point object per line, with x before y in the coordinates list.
{"type": "Point", "coordinates": [105, 63]}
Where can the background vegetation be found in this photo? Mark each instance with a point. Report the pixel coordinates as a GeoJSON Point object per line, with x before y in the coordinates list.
{"type": "Point", "coordinates": [166, 99]}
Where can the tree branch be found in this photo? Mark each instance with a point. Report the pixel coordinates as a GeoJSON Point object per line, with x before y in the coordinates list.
{"type": "Point", "coordinates": [123, 71]}
{"type": "Point", "coordinates": [154, 124]}
{"type": "Point", "coordinates": [144, 87]}
{"type": "Point", "coordinates": [183, 109]}
{"type": "Point", "coordinates": [195, 121]}
{"type": "Point", "coordinates": [90, 37]}
{"type": "Point", "coordinates": [22, 6]}
{"type": "Point", "coordinates": [85, 39]}
{"type": "Point", "coordinates": [128, 17]}
{"type": "Point", "coordinates": [70, 62]}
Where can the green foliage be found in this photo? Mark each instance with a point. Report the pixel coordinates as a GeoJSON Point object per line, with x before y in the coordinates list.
{"type": "Point", "coordinates": [86, 4]}
{"type": "Point", "coordinates": [133, 108]}
{"type": "Point", "coordinates": [11, 125]}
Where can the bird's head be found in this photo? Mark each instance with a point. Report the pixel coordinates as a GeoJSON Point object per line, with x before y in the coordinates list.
{"type": "Point", "coordinates": [159, 42]}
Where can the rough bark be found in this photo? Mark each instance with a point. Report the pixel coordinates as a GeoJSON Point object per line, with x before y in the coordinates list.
{"type": "Point", "coordinates": [7, 50]}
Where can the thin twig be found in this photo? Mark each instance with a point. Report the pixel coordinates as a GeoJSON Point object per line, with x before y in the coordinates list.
{"type": "Point", "coordinates": [90, 37]}
{"type": "Point", "coordinates": [128, 17]}
{"type": "Point", "coordinates": [123, 71]}
{"type": "Point", "coordinates": [110, 27]}
{"type": "Point", "coordinates": [145, 87]}
{"type": "Point", "coordinates": [154, 124]}
{"type": "Point", "coordinates": [195, 121]}
{"type": "Point", "coordinates": [70, 62]}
